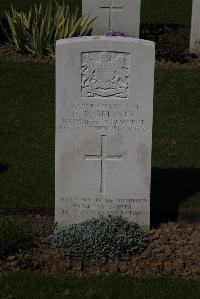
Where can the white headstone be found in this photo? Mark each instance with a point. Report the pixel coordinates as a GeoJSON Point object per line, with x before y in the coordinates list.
{"type": "Point", "coordinates": [119, 15]}
{"type": "Point", "coordinates": [195, 28]}
{"type": "Point", "coordinates": [104, 111]}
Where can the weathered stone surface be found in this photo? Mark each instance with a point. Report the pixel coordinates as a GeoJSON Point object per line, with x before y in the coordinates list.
{"type": "Point", "coordinates": [119, 15]}
{"type": "Point", "coordinates": [104, 112]}
{"type": "Point", "coordinates": [195, 28]}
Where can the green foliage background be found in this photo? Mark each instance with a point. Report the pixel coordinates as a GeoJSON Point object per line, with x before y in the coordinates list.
{"type": "Point", "coordinates": [153, 11]}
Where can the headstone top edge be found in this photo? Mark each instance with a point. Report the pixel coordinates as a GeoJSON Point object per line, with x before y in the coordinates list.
{"type": "Point", "coordinates": [104, 38]}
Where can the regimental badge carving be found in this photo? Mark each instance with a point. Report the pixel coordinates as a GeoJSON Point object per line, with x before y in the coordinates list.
{"type": "Point", "coordinates": [105, 74]}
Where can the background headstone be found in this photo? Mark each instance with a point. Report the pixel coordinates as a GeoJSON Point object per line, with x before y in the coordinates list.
{"type": "Point", "coordinates": [195, 28]}
{"type": "Point", "coordinates": [104, 111]}
{"type": "Point", "coordinates": [118, 15]}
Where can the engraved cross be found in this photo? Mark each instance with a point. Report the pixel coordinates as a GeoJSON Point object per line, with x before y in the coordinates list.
{"type": "Point", "coordinates": [111, 7]}
{"type": "Point", "coordinates": [103, 158]}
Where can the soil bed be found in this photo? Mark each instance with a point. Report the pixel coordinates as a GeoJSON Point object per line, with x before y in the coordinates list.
{"type": "Point", "coordinates": [8, 54]}
{"type": "Point", "coordinates": [174, 250]}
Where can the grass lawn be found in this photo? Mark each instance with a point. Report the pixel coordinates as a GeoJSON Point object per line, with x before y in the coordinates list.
{"type": "Point", "coordinates": [25, 4]}
{"type": "Point", "coordinates": [27, 136]}
{"type": "Point", "coordinates": [171, 11]}
{"type": "Point", "coordinates": [153, 11]}
{"type": "Point", "coordinates": [29, 285]}
{"type": "Point", "coordinates": [176, 119]}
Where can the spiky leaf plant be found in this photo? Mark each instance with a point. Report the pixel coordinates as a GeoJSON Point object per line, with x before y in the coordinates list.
{"type": "Point", "coordinates": [36, 31]}
{"type": "Point", "coordinates": [20, 24]}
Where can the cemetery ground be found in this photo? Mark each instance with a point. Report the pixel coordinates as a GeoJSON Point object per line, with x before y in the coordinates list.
{"type": "Point", "coordinates": [27, 169]}
{"type": "Point", "coordinates": [27, 184]}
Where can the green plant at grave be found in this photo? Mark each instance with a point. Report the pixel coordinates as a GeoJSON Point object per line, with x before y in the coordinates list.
{"type": "Point", "coordinates": [103, 237]}
{"type": "Point", "coordinates": [68, 25]}
{"type": "Point", "coordinates": [15, 234]}
{"type": "Point", "coordinates": [36, 31]}
{"type": "Point", "coordinates": [19, 23]}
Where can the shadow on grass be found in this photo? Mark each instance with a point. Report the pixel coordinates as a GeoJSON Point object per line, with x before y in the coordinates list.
{"type": "Point", "coordinates": [169, 188]}
{"type": "Point", "coordinates": [3, 167]}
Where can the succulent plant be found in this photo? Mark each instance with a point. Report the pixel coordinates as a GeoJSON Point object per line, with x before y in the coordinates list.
{"type": "Point", "coordinates": [103, 237]}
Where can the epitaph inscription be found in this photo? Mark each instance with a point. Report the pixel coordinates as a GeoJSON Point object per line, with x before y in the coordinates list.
{"type": "Point", "coordinates": [104, 206]}
{"type": "Point", "coordinates": [105, 74]}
